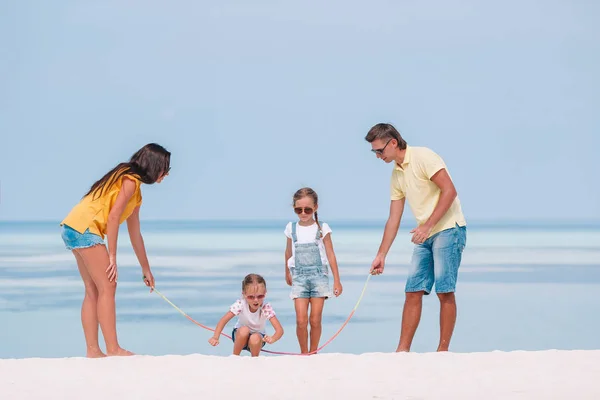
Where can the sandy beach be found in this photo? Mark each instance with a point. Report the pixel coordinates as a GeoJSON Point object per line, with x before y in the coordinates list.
{"type": "Point", "coordinates": [494, 375]}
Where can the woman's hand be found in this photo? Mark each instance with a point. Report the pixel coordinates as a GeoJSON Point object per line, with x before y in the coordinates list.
{"type": "Point", "coordinates": [112, 269]}
{"type": "Point", "coordinates": [214, 341]}
{"type": "Point", "coordinates": [148, 279]}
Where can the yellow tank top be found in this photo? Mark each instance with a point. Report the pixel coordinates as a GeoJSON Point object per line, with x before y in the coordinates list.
{"type": "Point", "coordinates": [93, 213]}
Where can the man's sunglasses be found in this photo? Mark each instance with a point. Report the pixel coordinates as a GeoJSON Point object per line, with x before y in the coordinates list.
{"type": "Point", "coordinates": [380, 151]}
{"type": "Point", "coordinates": [307, 210]}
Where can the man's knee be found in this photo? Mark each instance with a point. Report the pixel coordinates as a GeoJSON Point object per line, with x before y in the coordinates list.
{"type": "Point", "coordinates": [414, 297]}
{"type": "Point", "coordinates": [447, 298]}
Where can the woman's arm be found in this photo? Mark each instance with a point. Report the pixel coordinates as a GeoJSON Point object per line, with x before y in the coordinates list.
{"type": "Point", "coordinates": [112, 224]}
{"type": "Point", "coordinates": [137, 242]}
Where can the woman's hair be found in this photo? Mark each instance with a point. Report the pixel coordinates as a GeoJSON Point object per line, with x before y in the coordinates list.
{"type": "Point", "coordinates": [308, 192]}
{"type": "Point", "coordinates": [253, 279]}
{"type": "Point", "coordinates": [148, 163]}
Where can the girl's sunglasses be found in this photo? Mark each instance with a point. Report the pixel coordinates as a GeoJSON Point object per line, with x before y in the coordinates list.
{"type": "Point", "coordinates": [307, 210]}
{"type": "Point", "coordinates": [253, 297]}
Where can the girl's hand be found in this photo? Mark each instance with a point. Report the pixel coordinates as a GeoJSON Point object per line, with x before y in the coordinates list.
{"type": "Point", "coordinates": [269, 339]}
{"type": "Point", "coordinates": [148, 279]}
{"type": "Point", "coordinates": [213, 341]}
{"type": "Point", "coordinates": [337, 288]}
{"type": "Point", "coordinates": [112, 269]}
{"type": "Point", "coordinates": [288, 278]}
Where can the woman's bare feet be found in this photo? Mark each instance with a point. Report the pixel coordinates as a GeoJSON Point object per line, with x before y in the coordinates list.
{"type": "Point", "coordinates": [120, 352]}
{"type": "Point", "coordinates": [95, 353]}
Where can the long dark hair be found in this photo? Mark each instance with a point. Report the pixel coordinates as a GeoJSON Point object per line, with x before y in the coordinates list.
{"type": "Point", "coordinates": [148, 164]}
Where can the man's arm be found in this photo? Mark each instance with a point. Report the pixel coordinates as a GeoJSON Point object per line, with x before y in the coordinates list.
{"type": "Point", "coordinates": [391, 226]}
{"type": "Point", "coordinates": [447, 196]}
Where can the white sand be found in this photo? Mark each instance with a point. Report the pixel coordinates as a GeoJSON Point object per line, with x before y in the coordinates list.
{"type": "Point", "coordinates": [496, 375]}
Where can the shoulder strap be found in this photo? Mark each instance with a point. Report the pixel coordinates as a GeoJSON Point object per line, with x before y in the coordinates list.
{"type": "Point", "coordinates": [319, 230]}
{"type": "Point", "coordinates": [294, 237]}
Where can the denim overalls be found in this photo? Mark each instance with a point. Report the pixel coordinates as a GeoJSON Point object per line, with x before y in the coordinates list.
{"type": "Point", "coordinates": [310, 278]}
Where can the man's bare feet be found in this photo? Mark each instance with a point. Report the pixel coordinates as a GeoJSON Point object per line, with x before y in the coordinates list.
{"type": "Point", "coordinates": [95, 353]}
{"type": "Point", "coordinates": [120, 352]}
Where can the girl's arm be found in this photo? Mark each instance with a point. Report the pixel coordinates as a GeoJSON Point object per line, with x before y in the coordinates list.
{"type": "Point", "coordinates": [137, 242]}
{"type": "Point", "coordinates": [278, 331]}
{"type": "Point", "coordinates": [288, 254]}
{"type": "Point", "coordinates": [337, 285]}
{"type": "Point", "coordinates": [112, 224]}
{"type": "Point", "coordinates": [219, 328]}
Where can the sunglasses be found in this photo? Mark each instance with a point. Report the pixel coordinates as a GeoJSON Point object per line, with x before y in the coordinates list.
{"type": "Point", "coordinates": [380, 151]}
{"type": "Point", "coordinates": [307, 210]}
{"type": "Point", "coordinates": [253, 297]}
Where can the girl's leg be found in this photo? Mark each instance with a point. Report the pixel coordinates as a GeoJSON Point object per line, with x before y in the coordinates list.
{"type": "Point", "coordinates": [242, 335]}
{"type": "Point", "coordinates": [95, 259]}
{"type": "Point", "coordinates": [89, 311]}
{"type": "Point", "coordinates": [316, 314]}
{"type": "Point", "coordinates": [255, 344]}
{"type": "Point", "coordinates": [301, 306]}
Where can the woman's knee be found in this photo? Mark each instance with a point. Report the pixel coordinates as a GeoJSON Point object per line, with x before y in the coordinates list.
{"type": "Point", "coordinates": [107, 288]}
{"type": "Point", "coordinates": [91, 291]}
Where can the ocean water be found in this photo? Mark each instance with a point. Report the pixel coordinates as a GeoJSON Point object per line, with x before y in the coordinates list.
{"type": "Point", "coordinates": [521, 287]}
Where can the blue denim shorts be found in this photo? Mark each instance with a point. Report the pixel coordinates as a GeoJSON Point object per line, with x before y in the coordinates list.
{"type": "Point", "coordinates": [246, 347]}
{"type": "Point", "coordinates": [437, 261]}
{"type": "Point", "coordinates": [76, 240]}
{"type": "Point", "coordinates": [309, 282]}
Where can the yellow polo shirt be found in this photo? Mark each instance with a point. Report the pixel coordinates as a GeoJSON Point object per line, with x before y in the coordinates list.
{"type": "Point", "coordinates": [93, 213]}
{"type": "Point", "coordinates": [412, 180]}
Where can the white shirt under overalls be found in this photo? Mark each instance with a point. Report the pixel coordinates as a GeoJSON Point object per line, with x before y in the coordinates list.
{"type": "Point", "coordinates": [307, 234]}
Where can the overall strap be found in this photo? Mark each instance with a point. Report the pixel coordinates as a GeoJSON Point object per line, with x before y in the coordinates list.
{"type": "Point", "coordinates": [319, 230]}
{"type": "Point", "coordinates": [294, 237]}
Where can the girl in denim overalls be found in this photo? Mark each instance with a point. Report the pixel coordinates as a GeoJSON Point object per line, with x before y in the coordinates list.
{"type": "Point", "coordinates": [309, 254]}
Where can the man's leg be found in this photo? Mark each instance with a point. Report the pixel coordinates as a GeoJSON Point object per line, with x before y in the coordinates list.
{"type": "Point", "coordinates": [447, 255]}
{"type": "Point", "coordinates": [420, 281]}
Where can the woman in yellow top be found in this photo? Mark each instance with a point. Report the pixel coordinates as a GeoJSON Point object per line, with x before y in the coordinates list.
{"type": "Point", "coordinates": [113, 199]}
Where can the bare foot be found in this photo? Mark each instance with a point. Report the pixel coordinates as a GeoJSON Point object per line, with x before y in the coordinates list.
{"type": "Point", "coordinates": [120, 352]}
{"type": "Point", "coordinates": [95, 353]}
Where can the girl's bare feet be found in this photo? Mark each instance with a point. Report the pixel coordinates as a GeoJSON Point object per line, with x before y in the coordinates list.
{"type": "Point", "coordinates": [120, 352]}
{"type": "Point", "coordinates": [95, 353]}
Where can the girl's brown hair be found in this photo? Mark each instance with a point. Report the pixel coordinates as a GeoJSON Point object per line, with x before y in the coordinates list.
{"type": "Point", "coordinates": [304, 192]}
{"type": "Point", "coordinates": [253, 279]}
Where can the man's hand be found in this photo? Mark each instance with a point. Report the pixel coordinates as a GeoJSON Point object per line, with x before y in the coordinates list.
{"type": "Point", "coordinates": [420, 234]}
{"type": "Point", "coordinates": [377, 265]}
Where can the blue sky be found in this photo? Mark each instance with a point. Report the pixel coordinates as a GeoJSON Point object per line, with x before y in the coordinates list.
{"type": "Point", "coordinates": [256, 99]}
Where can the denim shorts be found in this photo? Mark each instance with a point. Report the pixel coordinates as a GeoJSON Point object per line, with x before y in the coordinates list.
{"type": "Point", "coordinates": [76, 240]}
{"type": "Point", "coordinates": [309, 282]}
{"type": "Point", "coordinates": [246, 346]}
{"type": "Point", "coordinates": [437, 261]}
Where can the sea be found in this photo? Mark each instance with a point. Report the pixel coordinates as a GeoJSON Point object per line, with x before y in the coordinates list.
{"type": "Point", "coordinates": [521, 286]}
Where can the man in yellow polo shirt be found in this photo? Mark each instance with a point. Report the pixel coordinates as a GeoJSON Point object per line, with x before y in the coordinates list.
{"type": "Point", "coordinates": [421, 177]}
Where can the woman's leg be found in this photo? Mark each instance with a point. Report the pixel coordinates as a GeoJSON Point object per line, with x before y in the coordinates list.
{"type": "Point", "coordinates": [316, 314]}
{"type": "Point", "coordinates": [242, 335]}
{"type": "Point", "coordinates": [96, 261]}
{"type": "Point", "coordinates": [255, 344]}
{"type": "Point", "coordinates": [301, 306]}
{"type": "Point", "coordinates": [89, 311]}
